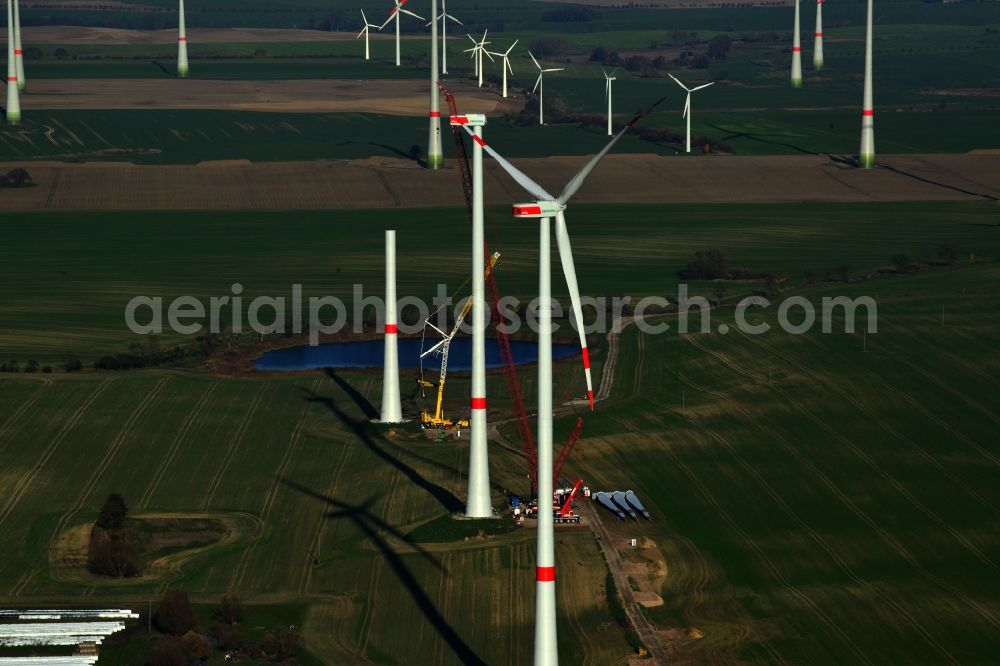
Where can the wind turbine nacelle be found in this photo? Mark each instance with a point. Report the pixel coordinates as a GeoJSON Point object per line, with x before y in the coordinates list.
{"type": "Point", "coordinates": [470, 119]}
{"type": "Point", "coordinates": [536, 209]}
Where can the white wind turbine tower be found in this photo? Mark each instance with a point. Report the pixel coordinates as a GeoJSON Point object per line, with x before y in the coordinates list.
{"type": "Point", "coordinates": [13, 96]}
{"type": "Point", "coordinates": [22, 84]}
{"type": "Point", "coordinates": [435, 155]}
{"type": "Point", "coordinates": [478, 503]}
{"type": "Point", "coordinates": [540, 86]}
{"type": "Point", "coordinates": [392, 409]}
{"type": "Point", "coordinates": [477, 51]}
{"type": "Point", "coordinates": [544, 208]}
{"type": "Point", "coordinates": [607, 93]}
{"type": "Point", "coordinates": [818, 47]}
{"type": "Point", "coordinates": [444, 17]}
{"type": "Point", "coordinates": [182, 43]}
{"type": "Point", "coordinates": [866, 158]}
{"type": "Point", "coordinates": [797, 51]}
{"type": "Point", "coordinates": [396, 11]}
{"type": "Point", "coordinates": [506, 64]}
{"type": "Point", "coordinates": [365, 31]}
{"type": "Point", "coordinates": [687, 107]}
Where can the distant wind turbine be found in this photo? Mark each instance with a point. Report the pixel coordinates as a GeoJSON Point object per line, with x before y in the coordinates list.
{"type": "Point", "coordinates": [182, 43]}
{"type": "Point", "coordinates": [540, 87]}
{"type": "Point", "coordinates": [818, 48]}
{"type": "Point", "coordinates": [477, 51]}
{"type": "Point", "coordinates": [607, 93]}
{"type": "Point", "coordinates": [22, 84]}
{"type": "Point", "coordinates": [365, 31]}
{"type": "Point", "coordinates": [866, 158]}
{"type": "Point", "coordinates": [687, 107]}
{"type": "Point", "coordinates": [394, 14]}
{"type": "Point", "coordinates": [797, 51]}
{"type": "Point", "coordinates": [444, 17]}
{"type": "Point", "coordinates": [13, 96]}
{"type": "Point", "coordinates": [506, 64]}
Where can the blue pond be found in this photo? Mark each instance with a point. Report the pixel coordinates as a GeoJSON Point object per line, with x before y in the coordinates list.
{"type": "Point", "coordinates": [369, 354]}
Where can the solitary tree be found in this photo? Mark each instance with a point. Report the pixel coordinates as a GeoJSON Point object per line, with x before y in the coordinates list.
{"type": "Point", "coordinates": [283, 642]}
{"type": "Point", "coordinates": [113, 512]}
{"type": "Point", "coordinates": [230, 608]}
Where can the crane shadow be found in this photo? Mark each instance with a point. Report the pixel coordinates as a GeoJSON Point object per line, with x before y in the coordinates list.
{"type": "Point", "coordinates": [370, 526]}
{"type": "Point", "coordinates": [364, 432]}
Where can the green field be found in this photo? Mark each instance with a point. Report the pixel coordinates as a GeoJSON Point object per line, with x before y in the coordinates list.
{"type": "Point", "coordinates": [804, 488]}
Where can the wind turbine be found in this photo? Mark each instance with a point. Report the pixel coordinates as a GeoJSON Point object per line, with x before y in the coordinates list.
{"type": "Point", "coordinates": [541, 84]}
{"type": "Point", "coordinates": [364, 31]}
{"type": "Point", "coordinates": [544, 208]}
{"type": "Point", "coordinates": [607, 93]}
{"type": "Point", "coordinates": [435, 155]}
{"type": "Point", "coordinates": [818, 48]}
{"type": "Point", "coordinates": [506, 64]}
{"type": "Point", "coordinates": [182, 43]}
{"type": "Point", "coordinates": [477, 52]}
{"type": "Point", "coordinates": [866, 158]}
{"type": "Point", "coordinates": [444, 17]}
{"type": "Point", "coordinates": [13, 96]}
{"type": "Point", "coordinates": [22, 84]}
{"type": "Point", "coordinates": [687, 107]}
{"type": "Point", "coordinates": [797, 51]}
{"type": "Point", "coordinates": [396, 11]}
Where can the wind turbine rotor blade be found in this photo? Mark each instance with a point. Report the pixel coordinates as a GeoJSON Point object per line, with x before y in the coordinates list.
{"type": "Point", "coordinates": [573, 186]}
{"type": "Point", "coordinates": [363, 17]}
{"type": "Point", "coordinates": [535, 61]}
{"type": "Point", "coordinates": [407, 11]}
{"type": "Point", "coordinates": [569, 271]}
{"type": "Point", "coordinates": [537, 83]}
{"type": "Point", "coordinates": [558, 69]}
{"type": "Point", "coordinates": [363, 31]}
{"type": "Point", "coordinates": [614, 71]}
{"type": "Point", "coordinates": [489, 56]}
{"type": "Point", "coordinates": [687, 106]}
{"type": "Point", "coordinates": [704, 86]}
{"type": "Point", "coordinates": [449, 16]}
{"type": "Point", "coordinates": [678, 82]}
{"type": "Point", "coordinates": [512, 47]}
{"type": "Point", "coordinates": [507, 62]}
{"type": "Point", "coordinates": [530, 186]}
{"type": "Point", "coordinates": [472, 39]}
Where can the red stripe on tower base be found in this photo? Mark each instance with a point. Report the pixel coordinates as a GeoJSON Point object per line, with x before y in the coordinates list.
{"type": "Point", "coordinates": [18, 52]}
{"type": "Point", "coordinates": [867, 113]}
{"type": "Point", "coordinates": [479, 403]}
{"type": "Point", "coordinates": [435, 114]}
{"type": "Point", "coordinates": [545, 574]}
{"type": "Point", "coordinates": [390, 329]}
{"type": "Point", "coordinates": [819, 34]}
{"type": "Point", "coordinates": [12, 78]}
{"type": "Point", "coordinates": [586, 358]}
{"type": "Point", "coordinates": [796, 49]}
{"type": "Point", "coordinates": [182, 39]}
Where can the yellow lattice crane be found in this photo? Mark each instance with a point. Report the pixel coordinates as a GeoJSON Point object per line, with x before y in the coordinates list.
{"type": "Point", "coordinates": [437, 420]}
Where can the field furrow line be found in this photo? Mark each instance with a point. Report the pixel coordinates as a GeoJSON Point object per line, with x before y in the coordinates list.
{"type": "Point", "coordinates": [28, 404]}
{"type": "Point", "coordinates": [817, 539]}
{"type": "Point", "coordinates": [109, 455]}
{"type": "Point", "coordinates": [176, 445]}
{"type": "Point", "coordinates": [860, 406]}
{"type": "Point", "coordinates": [25, 482]}
{"type": "Point", "coordinates": [269, 497]}
{"type": "Point", "coordinates": [305, 579]}
{"type": "Point", "coordinates": [234, 444]}
{"type": "Point", "coordinates": [887, 538]}
{"type": "Point", "coordinates": [926, 412]}
{"type": "Point", "coordinates": [774, 571]}
{"type": "Point", "coordinates": [889, 478]}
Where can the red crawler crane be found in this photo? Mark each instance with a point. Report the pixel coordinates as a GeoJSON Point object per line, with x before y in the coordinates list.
{"type": "Point", "coordinates": [506, 355]}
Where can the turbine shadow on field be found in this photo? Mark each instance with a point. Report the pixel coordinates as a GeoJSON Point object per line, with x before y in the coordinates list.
{"type": "Point", "coordinates": [163, 68]}
{"type": "Point", "coordinates": [354, 394]}
{"type": "Point", "coordinates": [400, 153]}
{"type": "Point", "coordinates": [363, 431]}
{"type": "Point", "coordinates": [369, 525]}
{"type": "Point", "coordinates": [736, 134]}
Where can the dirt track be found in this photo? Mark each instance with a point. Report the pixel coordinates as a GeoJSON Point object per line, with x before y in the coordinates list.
{"type": "Point", "coordinates": [404, 97]}
{"type": "Point", "coordinates": [77, 35]}
{"type": "Point", "coordinates": [384, 183]}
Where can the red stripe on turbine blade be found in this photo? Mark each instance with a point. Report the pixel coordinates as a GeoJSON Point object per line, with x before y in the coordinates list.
{"type": "Point", "coordinates": [479, 403]}
{"type": "Point", "coordinates": [527, 210]}
{"type": "Point", "coordinates": [458, 120]}
{"type": "Point", "coordinates": [479, 140]}
{"type": "Point", "coordinates": [586, 358]}
{"type": "Point", "coordinates": [545, 574]}
{"type": "Point", "coordinates": [390, 329]}
{"type": "Point", "coordinates": [590, 397]}
{"type": "Point", "coordinates": [868, 113]}
{"type": "Point", "coordinates": [435, 114]}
